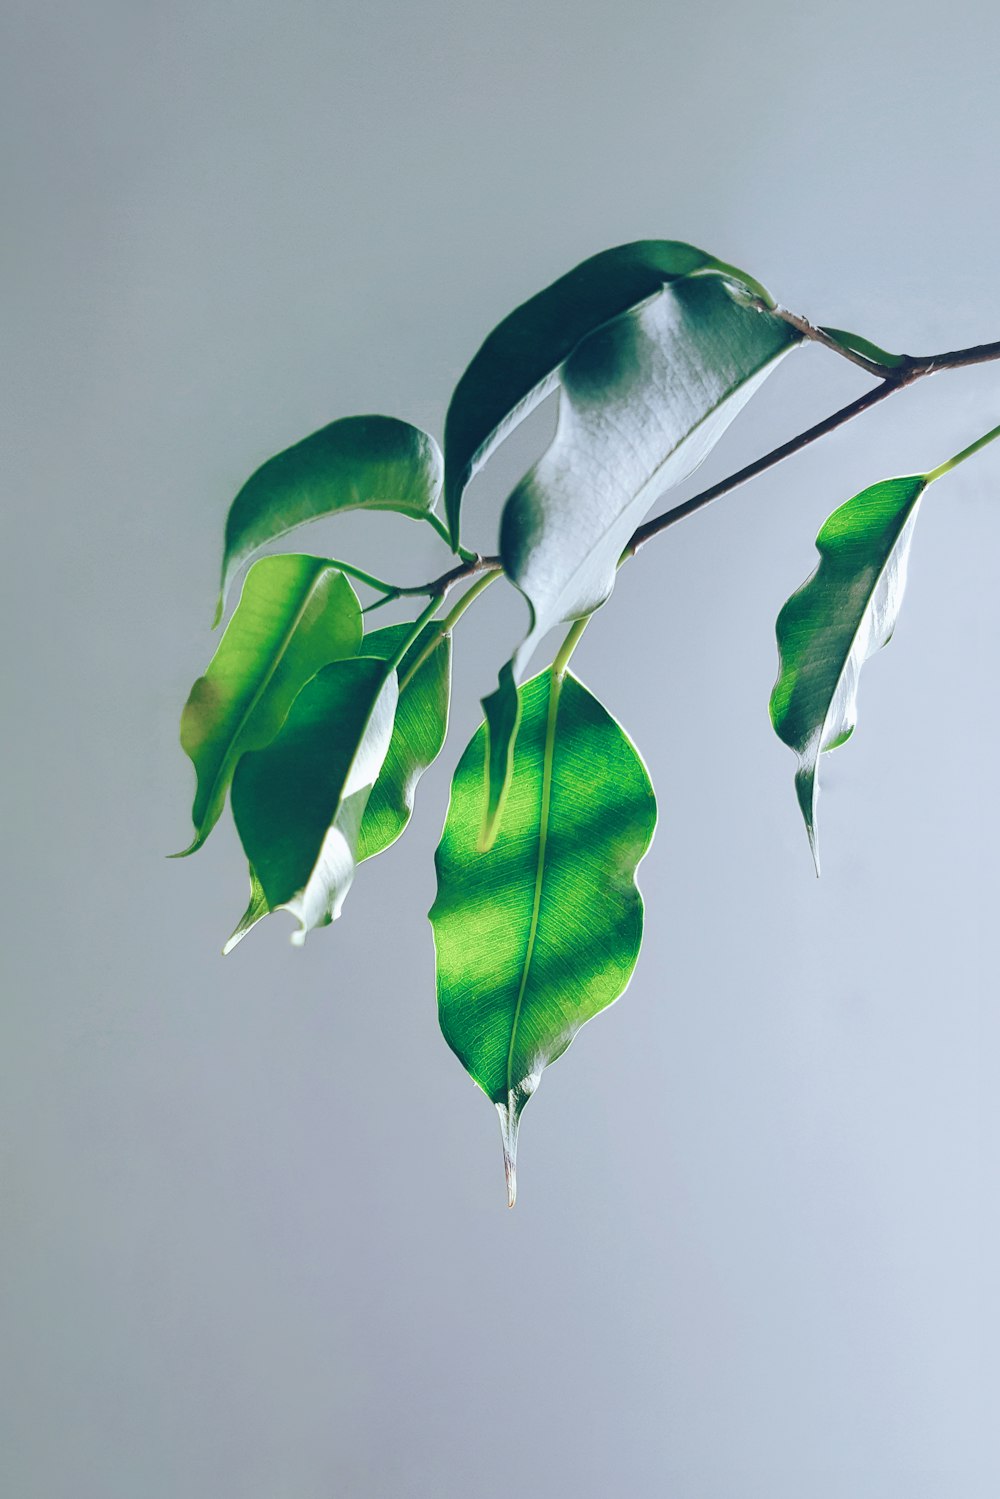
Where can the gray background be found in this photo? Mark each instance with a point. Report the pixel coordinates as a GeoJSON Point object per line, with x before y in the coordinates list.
{"type": "Point", "coordinates": [254, 1238]}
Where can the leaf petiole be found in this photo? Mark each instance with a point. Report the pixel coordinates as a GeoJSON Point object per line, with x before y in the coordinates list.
{"type": "Point", "coordinates": [448, 624]}
{"type": "Point", "coordinates": [974, 447]}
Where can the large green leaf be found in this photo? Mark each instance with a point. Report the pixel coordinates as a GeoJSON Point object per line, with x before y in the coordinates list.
{"type": "Point", "coordinates": [518, 365]}
{"type": "Point", "coordinates": [541, 933]}
{"type": "Point", "coordinates": [642, 401]}
{"type": "Point", "coordinates": [840, 616]}
{"type": "Point", "coordinates": [294, 616]}
{"type": "Point", "coordinates": [298, 804]}
{"type": "Point", "coordinates": [359, 462]}
{"type": "Point", "coordinates": [418, 732]}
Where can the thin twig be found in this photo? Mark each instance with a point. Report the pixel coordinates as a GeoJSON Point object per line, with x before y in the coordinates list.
{"type": "Point", "coordinates": [892, 378]}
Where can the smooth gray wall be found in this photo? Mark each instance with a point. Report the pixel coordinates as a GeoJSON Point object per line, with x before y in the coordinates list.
{"type": "Point", "coordinates": [254, 1237]}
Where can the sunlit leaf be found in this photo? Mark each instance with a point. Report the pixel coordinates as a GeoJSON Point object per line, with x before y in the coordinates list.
{"type": "Point", "coordinates": [418, 732]}
{"type": "Point", "coordinates": [839, 617]}
{"type": "Point", "coordinates": [295, 615]}
{"type": "Point", "coordinates": [359, 462]}
{"type": "Point", "coordinates": [298, 804]}
{"type": "Point", "coordinates": [518, 365]}
{"type": "Point", "coordinates": [537, 936]}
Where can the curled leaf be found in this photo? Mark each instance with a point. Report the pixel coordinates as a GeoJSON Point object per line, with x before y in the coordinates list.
{"type": "Point", "coordinates": [357, 463]}
{"type": "Point", "coordinates": [418, 731]}
{"type": "Point", "coordinates": [844, 612]}
{"type": "Point", "coordinates": [299, 803]}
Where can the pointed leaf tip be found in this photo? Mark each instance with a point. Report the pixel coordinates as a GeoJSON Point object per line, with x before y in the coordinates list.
{"type": "Point", "coordinates": [510, 1117]}
{"type": "Point", "coordinates": [540, 934]}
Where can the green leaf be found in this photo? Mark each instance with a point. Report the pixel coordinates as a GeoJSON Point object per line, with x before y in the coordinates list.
{"type": "Point", "coordinates": [537, 936]}
{"type": "Point", "coordinates": [298, 804]}
{"type": "Point", "coordinates": [418, 732]}
{"type": "Point", "coordinates": [840, 616]}
{"type": "Point", "coordinates": [295, 614]}
{"type": "Point", "coordinates": [518, 365]}
{"type": "Point", "coordinates": [359, 462]}
{"type": "Point", "coordinates": [642, 403]}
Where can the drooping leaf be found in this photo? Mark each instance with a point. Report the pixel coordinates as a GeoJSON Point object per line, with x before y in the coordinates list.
{"type": "Point", "coordinates": [642, 401]}
{"type": "Point", "coordinates": [418, 732]}
{"type": "Point", "coordinates": [518, 365]}
{"type": "Point", "coordinates": [537, 936]}
{"type": "Point", "coordinates": [359, 462]}
{"type": "Point", "coordinates": [844, 612]}
{"type": "Point", "coordinates": [295, 615]}
{"type": "Point", "coordinates": [298, 804]}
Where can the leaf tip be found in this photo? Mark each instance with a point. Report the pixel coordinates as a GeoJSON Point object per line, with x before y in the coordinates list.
{"type": "Point", "coordinates": [807, 790]}
{"type": "Point", "coordinates": [192, 848]}
{"type": "Point", "coordinates": [510, 1116]}
{"type": "Point", "coordinates": [489, 829]}
{"type": "Point", "coordinates": [220, 605]}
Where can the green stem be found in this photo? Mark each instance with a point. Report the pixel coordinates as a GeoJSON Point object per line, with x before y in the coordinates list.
{"type": "Point", "coordinates": [447, 625]}
{"type": "Point", "coordinates": [389, 589]}
{"type": "Point", "coordinates": [414, 635]}
{"type": "Point", "coordinates": [568, 646]}
{"type": "Point", "coordinates": [439, 526]}
{"type": "Point", "coordinates": [974, 447]}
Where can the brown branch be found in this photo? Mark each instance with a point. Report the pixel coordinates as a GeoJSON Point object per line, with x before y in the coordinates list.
{"type": "Point", "coordinates": [892, 378]}
{"type": "Point", "coordinates": [912, 368]}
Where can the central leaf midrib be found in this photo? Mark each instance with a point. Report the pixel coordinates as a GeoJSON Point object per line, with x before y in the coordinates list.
{"type": "Point", "coordinates": [548, 756]}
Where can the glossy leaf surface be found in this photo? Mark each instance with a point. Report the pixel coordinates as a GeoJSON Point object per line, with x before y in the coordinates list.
{"type": "Point", "coordinates": [518, 364]}
{"type": "Point", "coordinates": [642, 402]}
{"type": "Point", "coordinates": [840, 616]}
{"type": "Point", "coordinates": [299, 803]}
{"type": "Point", "coordinates": [418, 732]}
{"type": "Point", "coordinates": [359, 462]}
{"type": "Point", "coordinates": [541, 933]}
{"type": "Point", "coordinates": [295, 615]}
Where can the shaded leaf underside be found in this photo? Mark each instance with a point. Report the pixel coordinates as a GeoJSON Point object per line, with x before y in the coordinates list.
{"type": "Point", "coordinates": [298, 804]}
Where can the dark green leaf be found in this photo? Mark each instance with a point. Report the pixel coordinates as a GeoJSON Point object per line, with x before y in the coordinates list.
{"type": "Point", "coordinates": [295, 614]}
{"type": "Point", "coordinates": [503, 717]}
{"type": "Point", "coordinates": [840, 616]}
{"type": "Point", "coordinates": [418, 732]}
{"type": "Point", "coordinates": [518, 365]}
{"type": "Point", "coordinates": [541, 933]}
{"type": "Point", "coordinates": [360, 462]}
{"type": "Point", "coordinates": [298, 804]}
